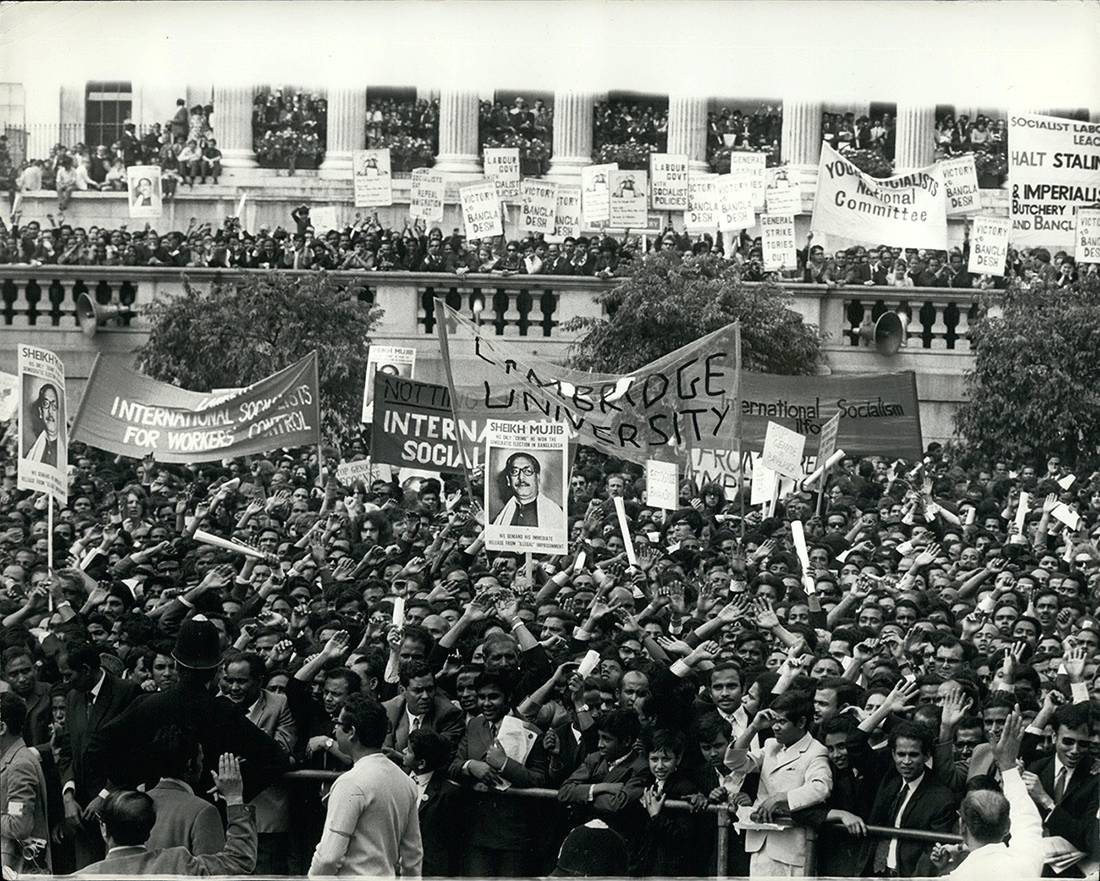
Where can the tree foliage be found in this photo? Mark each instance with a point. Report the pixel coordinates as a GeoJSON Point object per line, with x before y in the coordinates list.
{"type": "Point", "coordinates": [671, 301]}
{"type": "Point", "coordinates": [1035, 387]}
{"type": "Point", "coordinates": [242, 332]}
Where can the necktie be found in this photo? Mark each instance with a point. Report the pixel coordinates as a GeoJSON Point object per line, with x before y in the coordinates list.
{"type": "Point", "coordinates": [416, 723]}
{"type": "Point", "coordinates": [882, 849]}
{"type": "Point", "coordinates": [1060, 785]}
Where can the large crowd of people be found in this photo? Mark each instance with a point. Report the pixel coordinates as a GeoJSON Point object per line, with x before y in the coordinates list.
{"type": "Point", "coordinates": [885, 679]}
{"type": "Point", "coordinates": [367, 245]}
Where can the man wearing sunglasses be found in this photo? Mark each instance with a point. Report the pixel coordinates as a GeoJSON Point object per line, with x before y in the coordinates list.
{"type": "Point", "coordinates": [527, 507]}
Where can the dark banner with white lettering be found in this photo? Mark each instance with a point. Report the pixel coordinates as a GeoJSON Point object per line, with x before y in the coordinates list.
{"type": "Point", "coordinates": [413, 426]}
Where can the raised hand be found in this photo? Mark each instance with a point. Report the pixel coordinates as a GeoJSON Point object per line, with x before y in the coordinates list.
{"type": "Point", "coordinates": [1006, 749]}
{"type": "Point", "coordinates": [337, 645]}
{"type": "Point", "coordinates": [764, 613]}
{"type": "Point", "coordinates": [954, 708]}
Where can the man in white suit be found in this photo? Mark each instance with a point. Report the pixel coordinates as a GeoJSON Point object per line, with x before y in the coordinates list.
{"type": "Point", "coordinates": [527, 507]}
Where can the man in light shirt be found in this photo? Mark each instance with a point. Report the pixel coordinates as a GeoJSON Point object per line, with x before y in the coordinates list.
{"type": "Point", "coordinates": [988, 816]}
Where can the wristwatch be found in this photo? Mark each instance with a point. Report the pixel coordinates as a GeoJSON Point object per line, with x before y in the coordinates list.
{"type": "Point", "coordinates": [329, 743]}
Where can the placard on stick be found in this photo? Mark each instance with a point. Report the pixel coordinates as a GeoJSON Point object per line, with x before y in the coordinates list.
{"type": "Point", "coordinates": [661, 487]}
{"type": "Point", "coordinates": [783, 450]}
{"type": "Point", "coordinates": [826, 446]}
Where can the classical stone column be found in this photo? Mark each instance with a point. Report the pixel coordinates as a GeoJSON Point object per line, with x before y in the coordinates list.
{"type": "Point", "coordinates": [346, 130]}
{"type": "Point", "coordinates": [233, 126]}
{"type": "Point", "coordinates": [916, 136]}
{"type": "Point", "coordinates": [801, 138]}
{"type": "Point", "coordinates": [458, 133]}
{"type": "Point", "coordinates": [687, 130]}
{"type": "Point", "coordinates": [572, 135]}
{"type": "Point", "coordinates": [800, 144]}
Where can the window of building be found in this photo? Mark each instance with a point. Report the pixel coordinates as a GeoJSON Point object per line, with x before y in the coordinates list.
{"type": "Point", "coordinates": [107, 106]}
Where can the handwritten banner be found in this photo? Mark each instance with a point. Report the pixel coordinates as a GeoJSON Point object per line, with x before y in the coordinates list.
{"type": "Point", "coordinates": [127, 413]}
{"type": "Point", "coordinates": [989, 245]}
{"type": "Point", "coordinates": [1087, 236]}
{"type": "Point", "coordinates": [777, 239]}
{"type": "Point", "coordinates": [669, 178]}
{"type": "Point", "coordinates": [481, 211]}
{"type": "Point", "coordinates": [567, 214]}
{"type": "Point", "coordinates": [703, 204]}
{"type": "Point", "coordinates": [735, 197]}
{"type": "Point", "coordinates": [753, 164]}
{"type": "Point", "coordinates": [426, 200]}
{"type": "Point", "coordinates": [907, 210]}
{"type": "Point", "coordinates": [502, 167]}
{"type": "Point", "coordinates": [538, 206]}
{"type": "Point", "coordinates": [960, 177]}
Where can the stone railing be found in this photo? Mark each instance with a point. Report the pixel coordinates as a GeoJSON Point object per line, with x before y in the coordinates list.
{"type": "Point", "coordinates": [533, 307]}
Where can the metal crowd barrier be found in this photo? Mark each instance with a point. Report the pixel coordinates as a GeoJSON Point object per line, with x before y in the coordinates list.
{"type": "Point", "coordinates": [724, 819]}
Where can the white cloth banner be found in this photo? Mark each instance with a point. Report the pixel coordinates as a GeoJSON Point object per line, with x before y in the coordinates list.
{"type": "Point", "coordinates": [961, 179]}
{"type": "Point", "coordinates": [1053, 166]}
{"type": "Point", "coordinates": [907, 210]}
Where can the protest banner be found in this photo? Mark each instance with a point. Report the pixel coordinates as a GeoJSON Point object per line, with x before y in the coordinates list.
{"type": "Point", "coordinates": [526, 476]}
{"type": "Point", "coordinates": [373, 185]}
{"type": "Point", "coordinates": [668, 182]}
{"type": "Point", "coordinates": [777, 239]}
{"type": "Point", "coordinates": [765, 482]}
{"type": "Point", "coordinates": [715, 466]}
{"type": "Point", "coordinates": [323, 218]}
{"type": "Point", "coordinates": [9, 395]}
{"type": "Point", "coordinates": [1087, 236]}
{"type": "Point", "coordinates": [826, 444]}
{"type": "Point", "coordinates": [144, 193]}
{"type": "Point", "coordinates": [1053, 166]}
{"type": "Point", "coordinates": [596, 193]}
{"type": "Point", "coordinates": [662, 487]}
{"type": "Point", "coordinates": [502, 168]}
{"type": "Point", "coordinates": [735, 198]}
{"type": "Point", "coordinates": [391, 360]}
{"type": "Point", "coordinates": [357, 471]}
{"type": "Point", "coordinates": [481, 210]}
{"type": "Point", "coordinates": [127, 413]}
{"type": "Point", "coordinates": [43, 436]}
{"type": "Point", "coordinates": [988, 245]}
{"type": "Point", "coordinates": [907, 210]}
{"type": "Point", "coordinates": [567, 214]}
{"type": "Point", "coordinates": [538, 206]}
{"type": "Point", "coordinates": [960, 178]}
{"type": "Point", "coordinates": [427, 195]}
{"type": "Point", "coordinates": [754, 164]}
{"type": "Point", "coordinates": [784, 197]}
{"type": "Point", "coordinates": [878, 412]}
{"type": "Point", "coordinates": [414, 426]}
{"type": "Point", "coordinates": [685, 399]}
{"type": "Point", "coordinates": [703, 205]}
{"type": "Point", "coordinates": [628, 207]}
{"type": "Point", "coordinates": [783, 450]}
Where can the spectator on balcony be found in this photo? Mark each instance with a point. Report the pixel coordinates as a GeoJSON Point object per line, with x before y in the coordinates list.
{"type": "Point", "coordinates": [180, 122]}
{"type": "Point", "coordinates": [934, 275]}
{"type": "Point", "coordinates": [958, 276]}
{"type": "Point", "coordinates": [900, 278]}
{"type": "Point", "coordinates": [129, 145]}
{"type": "Point", "coordinates": [29, 179]}
{"type": "Point", "coordinates": [116, 176]}
{"type": "Point", "coordinates": [190, 162]}
{"type": "Point", "coordinates": [99, 165]}
{"type": "Point", "coordinates": [211, 162]}
{"type": "Point", "coordinates": [532, 263]}
{"type": "Point", "coordinates": [150, 144]}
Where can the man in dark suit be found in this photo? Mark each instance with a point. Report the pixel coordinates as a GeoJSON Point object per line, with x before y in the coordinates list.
{"type": "Point", "coordinates": [420, 706]}
{"type": "Point", "coordinates": [608, 786]}
{"type": "Point", "coordinates": [220, 725]}
{"type": "Point", "coordinates": [1062, 786]}
{"type": "Point", "coordinates": [95, 700]}
{"type": "Point", "coordinates": [908, 797]}
{"type": "Point", "coordinates": [499, 829]}
{"type": "Point", "coordinates": [427, 755]}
